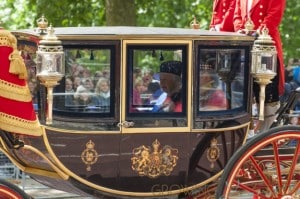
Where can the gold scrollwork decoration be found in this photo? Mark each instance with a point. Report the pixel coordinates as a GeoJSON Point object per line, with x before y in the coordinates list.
{"type": "Point", "coordinates": [154, 162]}
{"type": "Point", "coordinates": [89, 156]}
{"type": "Point", "coordinates": [213, 152]}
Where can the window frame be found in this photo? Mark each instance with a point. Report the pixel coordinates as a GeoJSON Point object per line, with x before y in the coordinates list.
{"type": "Point", "coordinates": [221, 114]}
{"type": "Point", "coordinates": [185, 115]}
{"type": "Point", "coordinates": [114, 47]}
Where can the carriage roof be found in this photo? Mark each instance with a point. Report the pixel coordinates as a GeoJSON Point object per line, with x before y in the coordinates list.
{"type": "Point", "coordinates": [112, 32]}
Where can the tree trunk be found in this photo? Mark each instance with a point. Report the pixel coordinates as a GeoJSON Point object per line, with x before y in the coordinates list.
{"type": "Point", "coordinates": [120, 13]}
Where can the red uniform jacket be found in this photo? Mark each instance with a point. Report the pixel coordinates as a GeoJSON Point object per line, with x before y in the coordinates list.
{"type": "Point", "coordinates": [263, 12]}
{"type": "Point", "coordinates": [223, 15]}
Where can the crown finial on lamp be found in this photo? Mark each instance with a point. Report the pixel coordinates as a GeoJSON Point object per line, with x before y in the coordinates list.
{"type": "Point", "coordinates": [194, 23]}
{"type": "Point", "coordinates": [42, 23]}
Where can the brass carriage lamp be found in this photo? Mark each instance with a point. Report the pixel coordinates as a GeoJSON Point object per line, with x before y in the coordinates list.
{"type": "Point", "coordinates": [264, 63]}
{"type": "Point", "coordinates": [50, 66]}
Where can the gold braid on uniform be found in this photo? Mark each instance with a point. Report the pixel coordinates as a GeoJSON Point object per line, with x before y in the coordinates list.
{"type": "Point", "coordinates": [15, 124]}
{"type": "Point", "coordinates": [17, 65]}
{"type": "Point", "coordinates": [14, 92]}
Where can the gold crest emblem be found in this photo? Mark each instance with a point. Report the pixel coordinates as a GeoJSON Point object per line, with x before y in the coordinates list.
{"type": "Point", "coordinates": [213, 152]}
{"type": "Point", "coordinates": [89, 156]}
{"type": "Point", "coordinates": [154, 162]}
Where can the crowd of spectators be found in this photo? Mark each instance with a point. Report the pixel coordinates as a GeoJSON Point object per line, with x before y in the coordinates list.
{"type": "Point", "coordinates": [85, 91]}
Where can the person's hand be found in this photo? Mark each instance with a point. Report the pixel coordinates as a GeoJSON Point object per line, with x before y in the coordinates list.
{"type": "Point", "coordinates": [168, 106]}
{"type": "Point", "coordinates": [242, 31]}
{"type": "Point", "coordinates": [255, 34]}
{"type": "Point", "coordinates": [252, 33]}
{"type": "Point", "coordinates": [215, 28]}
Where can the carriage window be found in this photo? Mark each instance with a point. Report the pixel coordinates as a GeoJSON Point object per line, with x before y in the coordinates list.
{"type": "Point", "coordinates": [87, 87]}
{"type": "Point", "coordinates": [221, 79]}
{"type": "Point", "coordinates": [157, 80]}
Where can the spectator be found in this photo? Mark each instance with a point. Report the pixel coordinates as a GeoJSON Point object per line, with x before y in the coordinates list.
{"type": "Point", "coordinates": [292, 85]}
{"type": "Point", "coordinates": [76, 82]}
{"type": "Point", "coordinates": [102, 92]}
{"type": "Point", "coordinates": [69, 99]}
{"type": "Point", "coordinates": [106, 73]}
{"type": "Point", "coordinates": [147, 78]}
{"type": "Point", "coordinates": [88, 84]}
{"type": "Point", "coordinates": [97, 76]}
{"type": "Point", "coordinates": [137, 91]}
{"type": "Point", "coordinates": [85, 100]}
{"type": "Point", "coordinates": [32, 85]}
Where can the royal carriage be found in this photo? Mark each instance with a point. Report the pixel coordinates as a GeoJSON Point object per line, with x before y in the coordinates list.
{"type": "Point", "coordinates": [123, 147]}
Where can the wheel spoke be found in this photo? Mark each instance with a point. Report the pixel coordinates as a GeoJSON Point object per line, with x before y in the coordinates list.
{"type": "Point", "coordinates": [295, 189]}
{"type": "Point", "coordinates": [249, 189]}
{"type": "Point", "coordinates": [267, 167]}
{"type": "Point", "coordinates": [262, 175]}
{"type": "Point", "coordinates": [293, 167]}
{"type": "Point", "coordinates": [277, 165]}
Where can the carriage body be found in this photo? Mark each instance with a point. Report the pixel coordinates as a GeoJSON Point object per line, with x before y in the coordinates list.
{"type": "Point", "coordinates": [124, 149]}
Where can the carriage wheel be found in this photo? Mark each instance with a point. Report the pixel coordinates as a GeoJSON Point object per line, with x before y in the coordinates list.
{"type": "Point", "coordinates": [11, 191]}
{"type": "Point", "coordinates": [267, 166]}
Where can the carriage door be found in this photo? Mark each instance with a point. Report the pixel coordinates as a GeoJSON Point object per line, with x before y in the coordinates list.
{"type": "Point", "coordinates": [155, 118]}
{"type": "Point", "coordinates": [155, 86]}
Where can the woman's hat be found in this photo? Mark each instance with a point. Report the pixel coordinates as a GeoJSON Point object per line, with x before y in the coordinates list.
{"type": "Point", "coordinates": [172, 67]}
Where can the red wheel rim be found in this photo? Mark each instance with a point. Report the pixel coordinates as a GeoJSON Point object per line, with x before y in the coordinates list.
{"type": "Point", "coordinates": [8, 193]}
{"type": "Point", "coordinates": [276, 176]}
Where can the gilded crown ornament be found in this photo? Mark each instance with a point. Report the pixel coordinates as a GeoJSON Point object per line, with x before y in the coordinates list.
{"type": "Point", "coordinates": [42, 25]}
{"type": "Point", "coordinates": [89, 156]}
{"type": "Point", "coordinates": [194, 24]}
{"type": "Point", "coordinates": [213, 152]}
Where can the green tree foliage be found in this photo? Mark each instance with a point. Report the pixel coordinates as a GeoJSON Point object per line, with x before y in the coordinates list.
{"type": "Point", "coordinates": [72, 12]}
{"type": "Point", "coordinates": [290, 31]}
{"type": "Point", "coordinates": [120, 13]}
{"type": "Point", "coordinates": [19, 14]}
{"type": "Point", "coordinates": [166, 13]}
